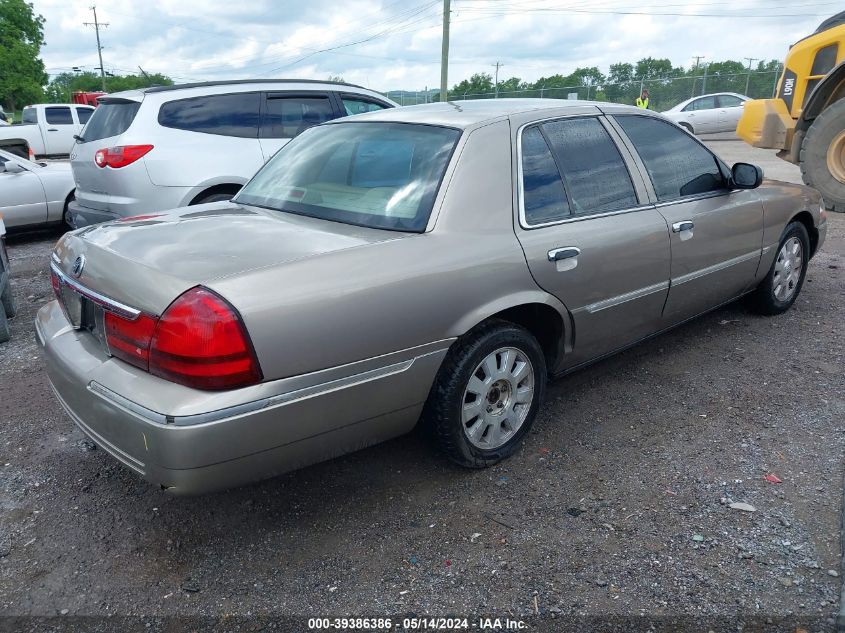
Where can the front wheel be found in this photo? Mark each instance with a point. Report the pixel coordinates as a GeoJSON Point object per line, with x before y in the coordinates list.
{"type": "Point", "coordinates": [822, 157]}
{"type": "Point", "coordinates": [778, 291]}
{"type": "Point", "coordinates": [487, 394]}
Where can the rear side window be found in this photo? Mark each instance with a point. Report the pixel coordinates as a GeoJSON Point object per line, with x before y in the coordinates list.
{"type": "Point", "coordinates": [594, 173]}
{"type": "Point", "coordinates": [354, 105]}
{"type": "Point", "coordinates": [111, 118]}
{"type": "Point", "coordinates": [729, 101]}
{"type": "Point", "coordinates": [29, 115]}
{"type": "Point", "coordinates": [677, 165]}
{"type": "Point", "coordinates": [227, 115]}
{"type": "Point", "coordinates": [705, 103]}
{"type": "Point", "coordinates": [58, 116]}
{"type": "Point", "coordinates": [84, 114]}
{"type": "Point", "coordinates": [287, 117]}
{"type": "Point", "coordinates": [543, 197]}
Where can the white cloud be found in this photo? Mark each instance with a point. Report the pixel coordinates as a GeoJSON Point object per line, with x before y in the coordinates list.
{"type": "Point", "coordinates": [215, 39]}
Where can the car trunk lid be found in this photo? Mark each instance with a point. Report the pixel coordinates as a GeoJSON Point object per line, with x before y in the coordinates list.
{"type": "Point", "coordinates": [148, 261]}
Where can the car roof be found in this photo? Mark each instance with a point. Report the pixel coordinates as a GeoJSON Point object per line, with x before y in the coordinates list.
{"type": "Point", "coordinates": [204, 88]}
{"type": "Point", "coordinates": [55, 105]}
{"type": "Point", "coordinates": [470, 113]}
{"type": "Point", "coordinates": [236, 82]}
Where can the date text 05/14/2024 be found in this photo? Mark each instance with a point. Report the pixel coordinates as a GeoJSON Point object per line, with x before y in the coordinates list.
{"type": "Point", "coordinates": [415, 624]}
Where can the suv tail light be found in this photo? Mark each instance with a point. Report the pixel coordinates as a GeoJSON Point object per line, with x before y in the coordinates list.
{"type": "Point", "coordinates": [121, 156]}
{"type": "Point", "coordinates": [199, 341]}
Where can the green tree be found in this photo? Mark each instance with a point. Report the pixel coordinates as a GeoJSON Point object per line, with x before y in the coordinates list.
{"type": "Point", "coordinates": [478, 86]}
{"type": "Point", "coordinates": [61, 87]}
{"type": "Point", "coordinates": [621, 85]}
{"type": "Point", "coordinates": [22, 73]}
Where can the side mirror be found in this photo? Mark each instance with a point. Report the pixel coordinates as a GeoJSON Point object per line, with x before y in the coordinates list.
{"type": "Point", "coordinates": [746, 176]}
{"type": "Point", "coordinates": [11, 167]}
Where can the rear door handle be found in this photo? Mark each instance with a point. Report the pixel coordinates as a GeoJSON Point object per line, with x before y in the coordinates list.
{"type": "Point", "coordinates": [686, 225]}
{"type": "Point", "coordinates": [567, 252]}
{"type": "Point", "coordinates": [52, 129]}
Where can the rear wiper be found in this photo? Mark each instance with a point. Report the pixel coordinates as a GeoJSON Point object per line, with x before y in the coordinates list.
{"type": "Point", "coordinates": [76, 137]}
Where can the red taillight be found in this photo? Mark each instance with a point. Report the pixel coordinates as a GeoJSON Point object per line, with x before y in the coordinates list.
{"type": "Point", "coordinates": [130, 340]}
{"type": "Point", "coordinates": [121, 156]}
{"type": "Point", "coordinates": [138, 218]}
{"type": "Point", "coordinates": [199, 342]}
{"type": "Point", "coordinates": [57, 287]}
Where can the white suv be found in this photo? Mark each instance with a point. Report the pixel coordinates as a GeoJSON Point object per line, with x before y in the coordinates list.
{"type": "Point", "coordinates": [170, 146]}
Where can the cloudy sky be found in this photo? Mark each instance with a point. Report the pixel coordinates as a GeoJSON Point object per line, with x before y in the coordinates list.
{"type": "Point", "coordinates": [395, 44]}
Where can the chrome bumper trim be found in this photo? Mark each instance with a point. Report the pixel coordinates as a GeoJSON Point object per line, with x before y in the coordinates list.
{"type": "Point", "coordinates": [220, 415]}
{"type": "Point", "coordinates": [120, 309]}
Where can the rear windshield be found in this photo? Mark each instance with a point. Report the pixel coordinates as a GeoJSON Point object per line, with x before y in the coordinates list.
{"type": "Point", "coordinates": [110, 119]}
{"type": "Point", "coordinates": [380, 175]}
{"type": "Point", "coordinates": [29, 115]}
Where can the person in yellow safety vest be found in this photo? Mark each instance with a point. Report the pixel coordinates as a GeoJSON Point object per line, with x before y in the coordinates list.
{"type": "Point", "coordinates": [642, 100]}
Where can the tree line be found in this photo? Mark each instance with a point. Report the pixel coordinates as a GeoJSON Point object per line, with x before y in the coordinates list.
{"type": "Point", "coordinates": [667, 84]}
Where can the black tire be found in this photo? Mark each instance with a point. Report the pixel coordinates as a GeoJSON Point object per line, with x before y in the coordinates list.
{"type": "Point", "coordinates": [213, 197]}
{"type": "Point", "coordinates": [813, 157]}
{"type": "Point", "coordinates": [5, 335]}
{"type": "Point", "coordinates": [764, 299]}
{"type": "Point", "coordinates": [443, 410]}
{"type": "Point", "coordinates": [687, 127]}
{"type": "Point", "coordinates": [7, 300]}
{"type": "Point", "coordinates": [66, 225]}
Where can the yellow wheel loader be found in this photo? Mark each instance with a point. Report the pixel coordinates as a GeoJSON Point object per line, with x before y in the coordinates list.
{"type": "Point", "coordinates": [806, 121]}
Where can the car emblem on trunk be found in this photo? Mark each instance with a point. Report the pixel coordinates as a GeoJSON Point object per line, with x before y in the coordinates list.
{"type": "Point", "coordinates": [78, 265]}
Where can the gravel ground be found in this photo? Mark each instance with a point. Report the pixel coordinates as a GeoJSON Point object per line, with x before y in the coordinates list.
{"type": "Point", "coordinates": [618, 504]}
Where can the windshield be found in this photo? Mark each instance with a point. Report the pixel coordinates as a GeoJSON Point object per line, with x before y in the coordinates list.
{"type": "Point", "coordinates": [111, 118]}
{"type": "Point", "coordinates": [380, 175]}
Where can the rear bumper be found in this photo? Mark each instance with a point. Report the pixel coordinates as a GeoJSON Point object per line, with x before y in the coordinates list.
{"type": "Point", "coordinates": [307, 419]}
{"type": "Point", "coordinates": [79, 216]}
{"type": "Point", "coordinates": [89, 208]}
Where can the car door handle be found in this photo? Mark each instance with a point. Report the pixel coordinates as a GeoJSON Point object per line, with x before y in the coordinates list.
{"type": "Point", "coordinates": [52, 129]}
{"type": "Point", "coordinates": [567, 252]}
{"type": "Point", "coordinates": [686, 225]}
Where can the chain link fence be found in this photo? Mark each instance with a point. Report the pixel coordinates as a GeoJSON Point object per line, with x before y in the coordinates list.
{"type": "Point", "coordinates": [664, 93]}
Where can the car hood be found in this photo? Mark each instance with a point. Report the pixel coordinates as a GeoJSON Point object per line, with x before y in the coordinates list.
{"type": "Point", "coordinates": [147, 261]}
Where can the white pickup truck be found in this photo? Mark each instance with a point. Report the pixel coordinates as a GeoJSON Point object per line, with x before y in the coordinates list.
{"type": "Point", "coordinates": [47, 129]}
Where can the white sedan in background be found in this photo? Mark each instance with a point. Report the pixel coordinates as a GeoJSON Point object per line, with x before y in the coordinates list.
{"type": "Point", "coordinates": [719, 112]}
{"type": "Point", "coordinates": [33, 194]}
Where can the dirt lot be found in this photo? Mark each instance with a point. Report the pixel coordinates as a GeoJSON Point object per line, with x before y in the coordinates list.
{"type": "Point", "coordinates": [617, 505]}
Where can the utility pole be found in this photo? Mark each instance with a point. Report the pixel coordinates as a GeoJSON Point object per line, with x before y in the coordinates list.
{"type": "Point", "coordinates": [96, 24]}
{"type": "Point", "coordinates": [497, 65]}
{"type": "Point", "coordinates": [444, 55]}
{"type": "Point", "coordinates": [748, 76]}
{"type": "Point", "coordinates": [697, 59]}
{"type": "Point", "coordinates": [777, 77]}
{"type": "Point", "coordinates": [704, 80]}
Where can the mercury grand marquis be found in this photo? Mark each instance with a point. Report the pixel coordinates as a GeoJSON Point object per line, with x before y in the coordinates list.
{"type": "Point", "coordinates": [433, 264]}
